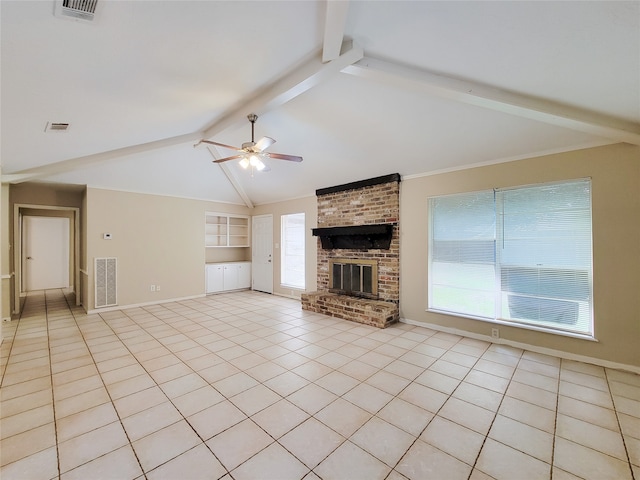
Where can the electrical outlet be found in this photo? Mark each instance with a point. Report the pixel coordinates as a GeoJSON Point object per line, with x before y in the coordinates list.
{"type": "Point", "coordinates": [153, 288]}
{"type": "Point", "coordinates": [495, 333]}
{"type": "Point", "coordinates": [157, 288]}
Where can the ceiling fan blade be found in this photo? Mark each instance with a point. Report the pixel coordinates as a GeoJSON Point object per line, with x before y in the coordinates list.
{"type": "Point", "coordinates": [263, 144]}
{"type": "Point", "coordinates": [226, 159]}
{"type": "Point", "coordinates": [220, 145]}
{"type": "Point", "coordinates": [282, 156]}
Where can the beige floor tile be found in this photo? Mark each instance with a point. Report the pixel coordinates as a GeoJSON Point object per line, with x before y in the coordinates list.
{"type": "Point", "coordinates": [311, 442]}
{"type": "Point", "coordinates": [404, 415]}
{"type": "Point", "coordinates": [630, 425]}
{"type": "Point", "coordinates": [528, 413]}
{"type": "Point", "coordinates": [424, 461]}
{"type": "Point", "coordinates": [120, 463]}
{"type": "Point", "coordinates": [150, 420]}
{"type": "Point", "coordinates": [26, 375]}
{"type": "Point", "coordinates": [423, 397]}
{"type": "Point", "coordinates": [24, 388]}
{"type": "Point", "coordinates": [625, 390]}
{"type": "Point", "coordinates": [522, 437]}
{"type": "Point", "coordinates": [534, 395]}
{"type": "Point", "coordinates": [25, 421]}
{"type": "Point", "coordinates": [350, 461]}
{"type": "Point", "coordinates": [255, 399]}
{"type": "Point", "coordinates": [627, 406]}
{"type": "Point", "coordinates": [418, 359]}
{"type": "Point", "coordinates": [438, 381]}
{"type": "Point", "coordinates": [359, 370]}
{"type": "Point", "coordinates": [165, 444]}
{"type": "Point", "coordinates": [169, 372]}
{"type": "Point", "coordinates": [312, 370]}
{"type": "Point", "coordinates": [494, 368]}
{"type": "Point", "coordinates": [91, 445]}
{"type": "Point", "coordinates": [388, 382]}
{"type": "Point", "coordinates": [27, 443]}
{"type": "Point", "coordinates": [265, 371]}
{"type": "Point", "coordinates": [70, 389]}
{"type": "Point", "coordinates": [82, 422]}
{"type": "Point", "coordinates": [633, 448]}
{"type": "Point", "coordinates": [197, 463]}
{"type": "Point", "coordinates": [239, 443]}
{"type": "Point", "coordinates": [482, 397]}
{"type": "Point", "coordinates": [533, 366]}
{"type": "Point", "coordinates": [585, 380]}
{"type": "Point", "coordinates": [234, 384]}
{"type": "Point", "coordinates": [450, 369]}
{"type": "Point", "coordinates": [26, 402]}
{"type": "Point", "coordinates": [139, 401]}
{"type": "Point", "coordinates": [383, 440]}
{"type": "Point", "coordinates": [311, 398]}
{"type": "Point", "coordinates": [500, 462]}
{"type": "Point", "coordinates": [215, 419]}
{"type": "Point", "coordinates": [367, 397]}
{"type": "Point", "coordinates": [468, 415]}
{"type": "Point", "coordinates": [454, 439]}
{"type": "Point", "coordinates": [343, 417]}
{"type": "Point", "coordinates": [592, 436]}
{"type": "Point", "coordinates": [197, 400]}
{"type": "Point", "coordinates": [621, 376]}
{"type": "Point", "coordinates": [587, 463]}
{"type": "Point", "coordinates": [588, 412]}
{"type": "Point", "coordinates": [185, 384]}
{"type": "Point", "coordinates": [272, 462]}
{"type": "Point", "coordinates": [218, 372]}
{"type": "Point", "coordinates": [43, 464]}
{"type": "Point", "coordinates": [280, 418]}
{"type": "Point", "coordinates": [586, 394]}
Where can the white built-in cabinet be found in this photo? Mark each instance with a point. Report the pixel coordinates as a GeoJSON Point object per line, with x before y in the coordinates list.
{"type": "Point", "coordinates": [222, 277]}
{"type": "Point", "coordinates": [226, 230]}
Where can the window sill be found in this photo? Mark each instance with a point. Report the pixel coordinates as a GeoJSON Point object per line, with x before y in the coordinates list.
{"type": "Point", "coordinates": [581, 336]}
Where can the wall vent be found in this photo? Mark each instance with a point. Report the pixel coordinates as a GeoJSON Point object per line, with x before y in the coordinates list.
{"type": "Point", "coordinates": [84, 10]}
{"type": "Point", "coordinates": [105, 281]}
{"type": "Point", "coordinates": [56, 127]}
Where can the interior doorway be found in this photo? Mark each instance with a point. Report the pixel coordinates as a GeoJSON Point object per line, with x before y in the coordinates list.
{"type": "Point", "coordinates": [21, 213]}
{"type": "Point", "coordinates": [45, 253]}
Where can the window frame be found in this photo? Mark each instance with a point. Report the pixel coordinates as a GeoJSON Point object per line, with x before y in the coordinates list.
{"type": "Point", "coordinates": [283, 250]}
{"type": "Point", "coordinates": [498, 265]}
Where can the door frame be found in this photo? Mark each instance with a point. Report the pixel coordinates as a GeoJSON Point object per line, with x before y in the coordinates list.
{"type": "Point", "coordinates": [74, 256]}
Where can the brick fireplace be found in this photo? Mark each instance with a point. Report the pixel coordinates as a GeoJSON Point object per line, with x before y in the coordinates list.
{"type": "Point", "coordinates": [358, 252]}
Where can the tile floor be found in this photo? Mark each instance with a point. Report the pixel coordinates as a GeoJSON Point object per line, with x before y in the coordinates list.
{"type": "Point", "coordinates": [248, 386]}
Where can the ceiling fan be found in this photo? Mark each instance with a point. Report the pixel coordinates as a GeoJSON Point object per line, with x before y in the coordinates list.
{"type": "Point", "coordinates": [251, 152]}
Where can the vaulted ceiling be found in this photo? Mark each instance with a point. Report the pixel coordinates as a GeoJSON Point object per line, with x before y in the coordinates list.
{"type": "Point", "coordinates": [359, 89]}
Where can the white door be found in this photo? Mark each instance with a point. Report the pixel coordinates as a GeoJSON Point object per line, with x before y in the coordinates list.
{"type": "Point", "coordinates": [262, 252]}
{"type": "Point", "coordinates": [45, 251]}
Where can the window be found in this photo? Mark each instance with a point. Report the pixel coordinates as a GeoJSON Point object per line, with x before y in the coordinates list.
{"type": "Point", "coordinates": [292, 251]}
{"type": "Point", "coordinates": [517, 255]}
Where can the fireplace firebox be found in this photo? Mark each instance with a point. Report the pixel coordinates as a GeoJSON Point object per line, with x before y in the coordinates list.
{"type": "Point", "coordinates": [356, 277]}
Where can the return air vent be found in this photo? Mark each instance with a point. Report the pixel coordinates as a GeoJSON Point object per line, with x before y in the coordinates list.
{"type": "Point", "coordinates": [105, 281]}
{"type": "Point", "coordinates": [84, 10]}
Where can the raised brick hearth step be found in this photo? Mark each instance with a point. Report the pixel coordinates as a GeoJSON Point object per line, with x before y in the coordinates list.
{"type": "Point", "coordinates": [370, 312]}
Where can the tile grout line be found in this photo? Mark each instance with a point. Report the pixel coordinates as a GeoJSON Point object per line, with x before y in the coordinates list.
{"type": "Point", "coordinates": [53, 398]}
{"type": "Point", "coordinates": [615, 410]}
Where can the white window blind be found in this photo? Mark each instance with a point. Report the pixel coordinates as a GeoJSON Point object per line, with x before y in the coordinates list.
{"type": "Point", "coordinates": [292, 252]}
{"type": "Point", "coordinates": [520, 255]}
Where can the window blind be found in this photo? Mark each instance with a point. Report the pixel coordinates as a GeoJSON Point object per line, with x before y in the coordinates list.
{"type": "Point", "coordinates": [292, 263]}
{"type": "Point", "coordinates": [521, 255]}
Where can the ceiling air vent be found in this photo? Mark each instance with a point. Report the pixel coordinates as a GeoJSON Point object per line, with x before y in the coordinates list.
{"type": "Point", "coordinates": [84, 10]}
{"type": "Point", "coordinates": [56, 127]}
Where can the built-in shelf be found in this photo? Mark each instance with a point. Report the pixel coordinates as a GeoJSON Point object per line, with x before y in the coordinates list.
{"type": "Point", "coordinates": [226, 230]}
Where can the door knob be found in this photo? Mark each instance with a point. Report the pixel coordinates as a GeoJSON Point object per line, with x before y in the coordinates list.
{"type": "Point", "coordinates": [29, 258]}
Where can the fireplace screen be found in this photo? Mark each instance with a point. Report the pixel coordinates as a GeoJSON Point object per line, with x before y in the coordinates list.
{"type": "Point", "coordinates": [354, 277]}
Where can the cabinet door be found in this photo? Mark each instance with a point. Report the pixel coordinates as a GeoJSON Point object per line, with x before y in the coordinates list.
{"type": "Point", "coordinates": [244, 275]}
{"type": "Point", "coordinates": [231, 276]}
{"type": "Point", "coordinates": [215, 277]}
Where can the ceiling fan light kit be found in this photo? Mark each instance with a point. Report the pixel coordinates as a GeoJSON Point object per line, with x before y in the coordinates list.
{"type": "Point", "coordinates": [251, 152]}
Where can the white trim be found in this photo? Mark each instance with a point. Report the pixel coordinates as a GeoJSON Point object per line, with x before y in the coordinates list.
{"type": "Point", "coordinates": [143, 304]}
{"type": "Point", "coordinates": [526, 346]}
{"type": "Point", "coordinates": [7, 276]}
{"type": "Point", "coordinates": [514, 158]}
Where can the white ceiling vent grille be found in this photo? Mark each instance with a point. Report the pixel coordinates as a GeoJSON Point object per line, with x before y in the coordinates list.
{"type": "Point", "coordinates": [56, 127]}
{"type": "Point", "coordinates": [84, 10]}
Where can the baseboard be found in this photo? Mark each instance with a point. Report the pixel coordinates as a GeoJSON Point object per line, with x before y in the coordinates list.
{"type": "Point", "coordinates": [525, 346]}
{"type": "Point", "coordinates": [144, 304]}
